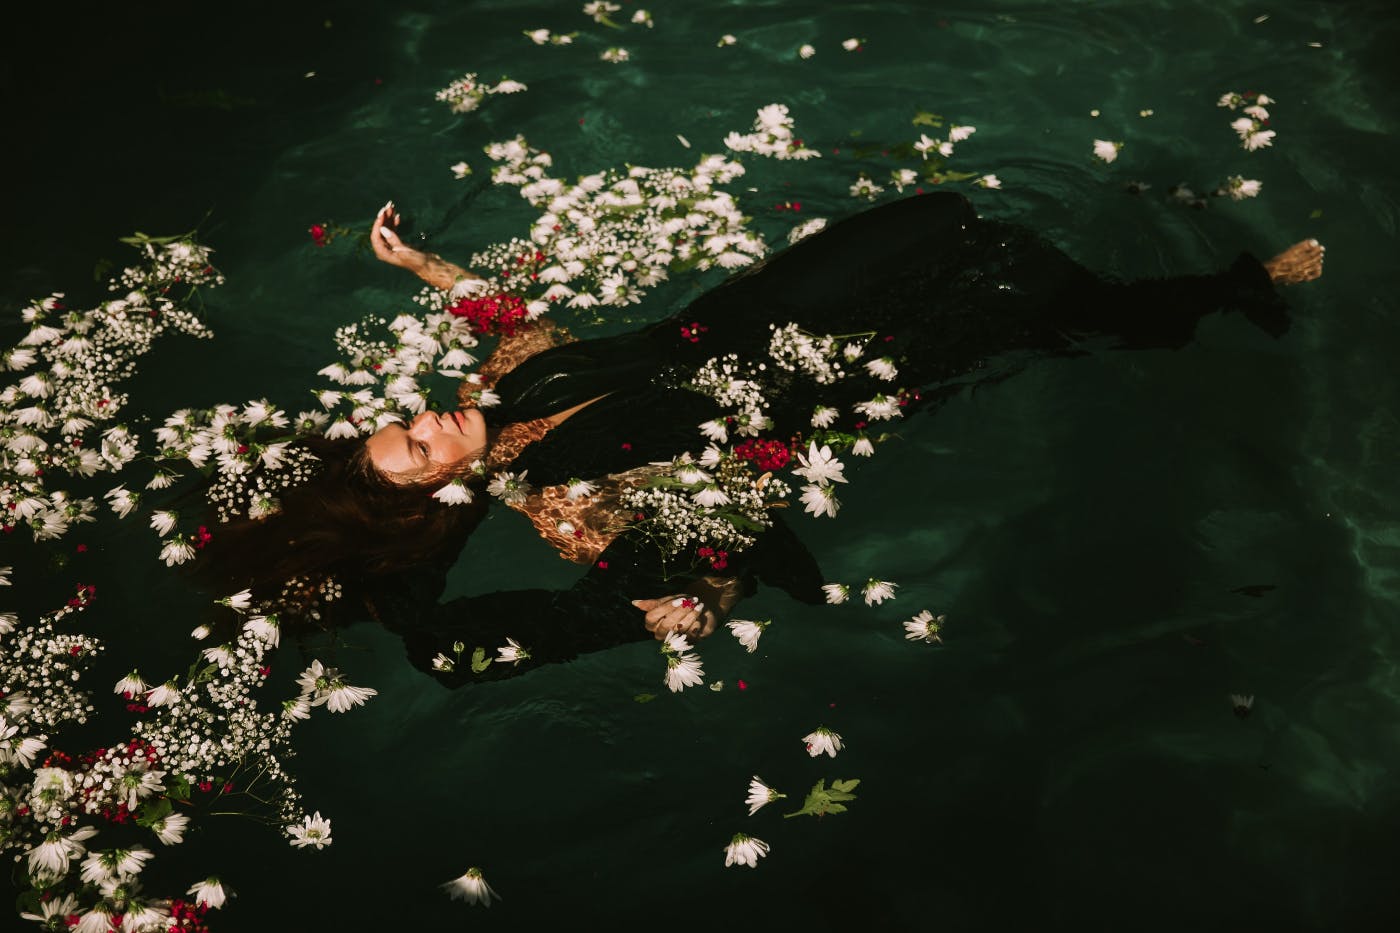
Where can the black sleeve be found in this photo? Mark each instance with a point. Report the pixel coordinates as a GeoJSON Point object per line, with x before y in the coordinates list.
{"type": "Point", "coordinates": [559, 625]}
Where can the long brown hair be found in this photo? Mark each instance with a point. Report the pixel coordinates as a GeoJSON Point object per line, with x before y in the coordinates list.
{"type": "Point", "coordinates": [349, 520]}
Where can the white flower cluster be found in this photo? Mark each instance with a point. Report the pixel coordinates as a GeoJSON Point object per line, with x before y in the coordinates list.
{"type": "Point", "coordinates": [734, 384]}
{"type": "Point", "coordinates": [49, 817]}
{"type": "Point", "coordinates": [863, 187]}
{"type": "Point", "coordinates": [466, 93]}
{"type": "Point", "coordinates": [1250, 127]}
{"type": "Point", "coordinates": [772, 136]}
{"type": "Point", "coordinates": [605, 237]}
{"type": "Point", "coordinates": [545, 37]}
{"type": "Point", "coordinates": [716, 503]}
{"type": "Point", "coordinates": [793, 349]}
{"type": "Point", "coordinates": [50, 419]}
{"type": "Point", "coordinates": [410, 347]}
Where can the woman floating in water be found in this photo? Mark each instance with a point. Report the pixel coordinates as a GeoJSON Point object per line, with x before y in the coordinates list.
{"type": "Point", "coordinates": [920, 290]}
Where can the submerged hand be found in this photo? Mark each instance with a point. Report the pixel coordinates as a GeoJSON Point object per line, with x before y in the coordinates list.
{"type": "Point", "coordinates": [678, 612]}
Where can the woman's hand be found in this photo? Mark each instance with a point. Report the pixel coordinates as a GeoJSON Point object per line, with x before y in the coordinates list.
{"type": "Point", "coordinates": [384, 238]}
{"type": "Point", "coordinates": [679, 612]}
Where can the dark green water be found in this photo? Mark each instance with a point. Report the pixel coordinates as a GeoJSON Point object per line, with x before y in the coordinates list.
{"type": "Point", "coordinates": [1069, 758]}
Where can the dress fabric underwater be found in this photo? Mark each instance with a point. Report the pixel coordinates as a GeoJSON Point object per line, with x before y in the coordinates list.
{"type": "Point", "coordinates": [954, 300]}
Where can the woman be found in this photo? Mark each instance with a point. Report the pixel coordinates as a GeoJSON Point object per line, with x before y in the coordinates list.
{"type": "Point", "coordinates": [949, 300]}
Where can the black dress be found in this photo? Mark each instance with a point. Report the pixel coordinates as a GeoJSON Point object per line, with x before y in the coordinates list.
{"type": "Point", "coordinates": [954, 300]}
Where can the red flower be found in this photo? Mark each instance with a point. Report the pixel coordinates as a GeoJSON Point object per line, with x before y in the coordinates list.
{"type": "Point", "coordinates": [319, 234]}
{"type": "Point", "coordinates": [492, 314]}
{"type": "Point", "coordinates": [602, 565]}
{"type": "Point", "coordinates": [626, 446]}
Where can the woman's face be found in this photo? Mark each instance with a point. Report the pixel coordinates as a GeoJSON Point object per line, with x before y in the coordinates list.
{"type": "Point", "coordinates": [431, 443]}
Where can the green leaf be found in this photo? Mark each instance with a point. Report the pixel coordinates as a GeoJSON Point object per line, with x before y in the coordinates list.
{"type": "Point", "coordinates": [644, 697]}
{"type": "Point", "coordinates": [1317, 212]}
{"type": "Point", "coordinates": [100, 270]}
{"type": "Point", "coordinates": [151, 813]}
{"type": "Point", "coordinates": [924, 118]}
{"type": "Point", "coordinates": [480, 661]}
{"type": "Point", "coordinates": [177, 788]}
{"type": "Point", "coordinates": [821, 801]}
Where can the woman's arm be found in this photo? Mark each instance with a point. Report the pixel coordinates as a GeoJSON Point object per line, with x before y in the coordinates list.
{"type": "Point", "coordinates": [429, 267]}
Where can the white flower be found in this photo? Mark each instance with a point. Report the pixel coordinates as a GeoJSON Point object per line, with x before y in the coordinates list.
{"type": "Point", "coordinates": [957, 134]}
{"type": "Point", "coordinates": [806, 51]}
{"type": "Point", "coordinates": [1240, 188]}
{"type": "Point", "coordinates": [822, 741]}
{"type": "Point", "coordinates": [675, 643]}
{"type": "Point", "coordinates": [238, 601]}
{"type": "Point", "coordinates": [131, 685]}
{"type": "Point", "coordinates": [167, 694]}
{"type": "Point", "coordinates": [537, 36]}
{"type": "Point", "coordinates": [341, 428]}
{"type": "Point", "coordinates": [578, 489]}
{"type": "Point", "coordinates": [806, 229]}
{"type": "Point", "coordinates": [201, 632]}
{"type": "Point", "coordinates": [340, 697]}
{"type": "Point", "coordinates": [176, 551]}
{"type": "Point", "coordinates": [924, 627]}
{"type": "Point", "coordinates": [208, 893]}
{"type": "Point", "coordinates": [748, 632]}
{"type": "Point", "coordinates": [615, 56]}
{"type": "Point", "coordinates": [836, 593]}
{"type": "Point", "coordinates": [760, 795]}
{"type": "Point", "coordinates": [1257, 112]}
{"type": "Point", "coordinates": [1106, 149]}
{"type": "Point", "coordinates": [297, 709]}
{"type": "Point", "coordinates": [877, 591]}
{"type": "Point", "coordinates": [712, 495]}
{"type": "Point", "coordinates": [1258, 140]}
{"type": "Point", "coordinates": [460, 170]}
{"type": "Point", "coordinates": [820, 500]}
{"type": "Point", "coordinates": [726, 39]}
{"type": "Point", "coordinates": [824, 416]}
{"type": "Point", "coordinates": [925, 145]}
{"type": "Point", "coordinates": [989, 181]}
{"type": "Point", "coordinates": [715, 431]}
{"type": "Point", "coordinates": [454, 493]}
{"type": "Point", "coordinates": [880, 408]}
{"type": "Point", "coordinates": [164, 522]}
{"type": "Point", "coordinates": [643, 17]}
{"type": "Point", "coordinates": [863, 187]}
{"type": "Point", "coordinates": [850, 45]}
{"type": "Point", "coordinates": [512, 652]}
{"type": "Point", "coordinates": [883, 368]}
{"type": "Point", "coordinates": [819, 466]}
{"type": "Point", "coordinates": [267, 628]}
{"type": "Point", "coordinates": [508, 487]}
{"type": "Point", "coordinates": [683, 670]}
{"type": "Point", "coordinates": [745, 850]}
{"type": "Point", "coordinates": [862, 447]}
{"type": "Point", "coordinates": [315, 831]}
{"type": "Point", "coordinates": [507, 86]}
{"type": "Point", "coordinates": [472, 888]}
{"type": "Point", "coordinates": [170, 829]}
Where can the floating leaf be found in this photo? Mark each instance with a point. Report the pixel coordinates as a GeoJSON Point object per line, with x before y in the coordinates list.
{"type": "Point", "coordinates": [924, 118]}
{"type": "Point", "coordinates": [480, 661]}
{"type": "Point", "coordinates": [1317, 212]}
{"type": "Point", "coordinates": [644, 697]}
{"type": "Point", "coordinates": [821, 800]}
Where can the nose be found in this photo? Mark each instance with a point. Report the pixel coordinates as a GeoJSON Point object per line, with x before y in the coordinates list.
{"type": "Point", "coordinates": [423, 427]}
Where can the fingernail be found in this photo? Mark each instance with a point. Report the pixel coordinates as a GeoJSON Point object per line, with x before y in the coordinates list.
{"type": "Point", "coordinates": [1313, 242]}
{"type": "Point", "coordinates": [677, 601]}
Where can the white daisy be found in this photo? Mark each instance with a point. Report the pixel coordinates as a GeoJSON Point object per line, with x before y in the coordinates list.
{"type": "Point", "coordinates": [836, 593]}
{"type": "Point", "coordinates": [924, 627]}
{"type": "Point", "coordinates": [760, 795]}
{"type": "Point", "coordinates": [820, 500]}
{"type": "Point", "coordinates": [1106, 149]}
{"type": "Point", "coordinates": [744, 850]}
{"type": "Point", "coordinates": [454, 493]}
{"type": "Point", "coordinates": [472, 888]}
{"type": "Point", "coordinates": [823, 416]}
{"type": "Point", "coordinates": [683, 670]}
{"type": "Point", "coordinates": [806, 51]}
{"type": "Point", "coordinates": [748, 632]}
{"type": "Point", "coordinates": [819, 466]}
{"type": "Point", "coordinates": [315, 831]}
{"type": "Point", "coordinates": [822, 741]}
{"type": "Point", "coordinates": [877, 591]}
{"type": "Point", "coordinates": [208, 893]}
{"type": "Point", "coordinates": [512, 652]}
{"type": "Point", "coordinates": [863, 447]}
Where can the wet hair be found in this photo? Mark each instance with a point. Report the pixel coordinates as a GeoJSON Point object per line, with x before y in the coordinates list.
{"type": "Point", "coordinates": [349, 520]}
